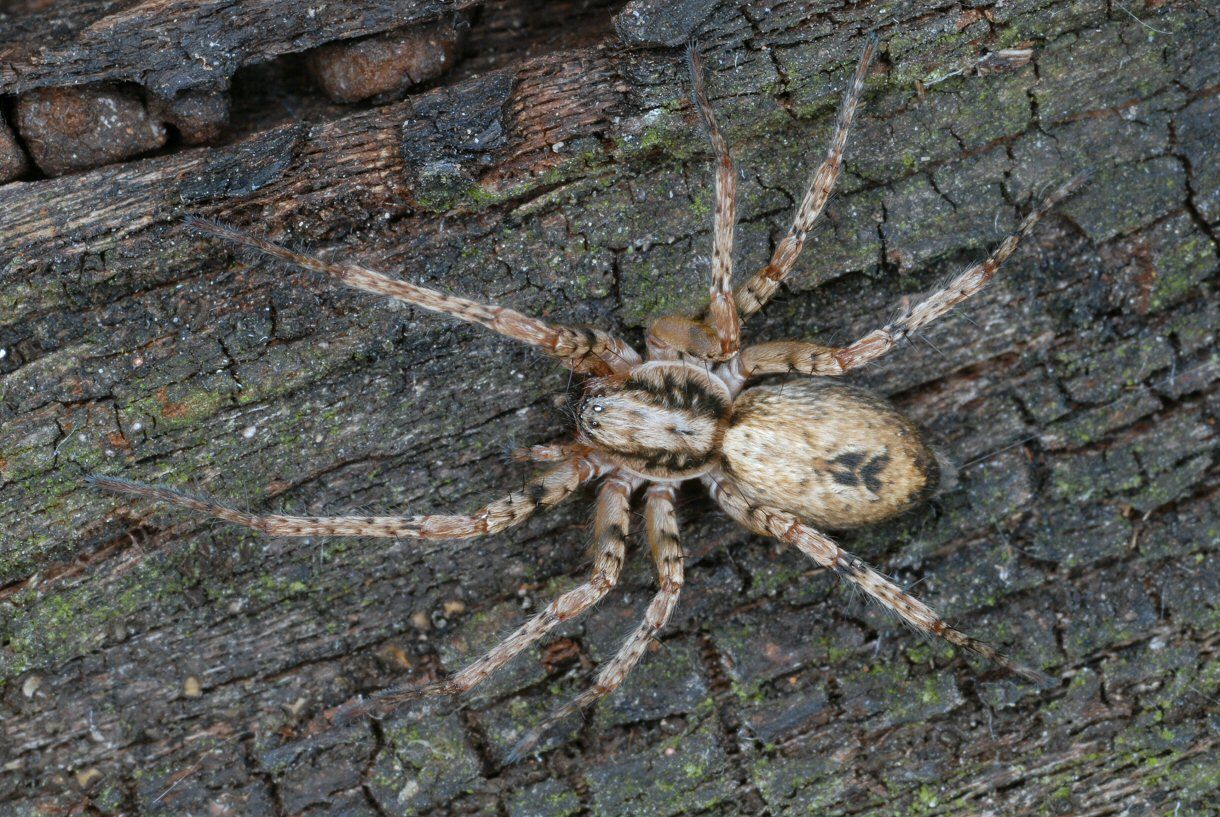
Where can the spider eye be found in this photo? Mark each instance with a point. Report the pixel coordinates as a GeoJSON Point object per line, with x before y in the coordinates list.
{"type": "Point", "coordinates": [594, 424]}
{"type": "Point", "coordinates": [599, 408]}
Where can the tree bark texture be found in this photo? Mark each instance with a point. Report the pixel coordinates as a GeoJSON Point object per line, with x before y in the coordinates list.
{"type": "Point", "coordinates": [156, 663]}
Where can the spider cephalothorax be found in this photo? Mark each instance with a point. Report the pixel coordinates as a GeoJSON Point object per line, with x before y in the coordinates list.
{"type": "Point", "coordinates": [779, 459]}
{"type": "Point", "coordinates": [665, 420]}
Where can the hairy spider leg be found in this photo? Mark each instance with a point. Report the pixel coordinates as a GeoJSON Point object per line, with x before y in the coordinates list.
{"type": "Point", "coordinates": [662, 528]}
{"type": "Point", "coordinates": [580, 348]}
{"type": "Point", "coordinates": [754, 293]}
{"type": "Point", "coordinates": [722, 311]}
{"type": "Point", "coordinates": [823, 550]}
{"type": "Point", "coordinates": [610, 524]}
{"type": "Point", "coordinates": [544, 490]}
{"type": "Point", "coordinates": [813, 359]}
{"type": "Point", "coordinates": [719, 337]}
{"type": "Point", "coordinates": [554, 452]}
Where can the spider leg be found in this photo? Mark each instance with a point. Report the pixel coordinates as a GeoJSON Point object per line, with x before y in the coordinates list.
{"type": "Point", "coordinates": [549, 453]}
{"type": "Point", "coordinates": [662, 527]}
{"type": "Point", "coordinates": [583, 349]}
{"type": "Point", "coordinates": [754, 294]}
{"type": "Point", "coordinates": [547, 489]}
{"type": "Point", "coordinates": [785, 356]}
{"type": "Point", "coordinates": [610, 524]}
{"type": "Point", "coordinates": [719, 337]}
{"type": "Point", "coordinates": [788, 528]}
{"type": "Point", "coordinates": [722, 312]}
{"type": "Point", "coordinates": [813, 359]}
{"type": "Point", "coordinates": [672, 336]}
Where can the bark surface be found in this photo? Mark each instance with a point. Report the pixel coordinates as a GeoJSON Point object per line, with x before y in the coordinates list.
{"type": "Point", "coordinates": [155, 663]}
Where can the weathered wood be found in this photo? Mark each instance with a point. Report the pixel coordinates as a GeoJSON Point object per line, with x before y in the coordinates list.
{"type": "Point", "coordinates": [152, 663]}
{"type": "Point", "coordinates": [169, 46]}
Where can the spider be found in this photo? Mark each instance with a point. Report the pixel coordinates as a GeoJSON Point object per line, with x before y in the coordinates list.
{"type": "Point", "coordinates": [783, 460]}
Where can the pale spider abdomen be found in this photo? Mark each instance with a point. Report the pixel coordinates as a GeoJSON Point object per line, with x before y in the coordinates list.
{"type": "Point", "coordinates": [833, 454]}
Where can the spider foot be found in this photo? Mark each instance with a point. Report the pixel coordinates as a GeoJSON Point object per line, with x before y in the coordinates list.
{"type": "Point", "coordinates": [528, 743]}
{"type": "Point", "coordinates": [524, 747]}
{"type": "Point", "coordinates": [1036, 677]}
{"type": "Point", "coordinates": [385, 702]}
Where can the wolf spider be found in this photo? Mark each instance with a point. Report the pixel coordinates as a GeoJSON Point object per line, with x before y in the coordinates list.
{"type": "Point", "coordinates": [782, 461]}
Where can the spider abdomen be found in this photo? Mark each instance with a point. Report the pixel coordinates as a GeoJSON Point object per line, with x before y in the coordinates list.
{"type": "Point", "coordinates": [834, 455]}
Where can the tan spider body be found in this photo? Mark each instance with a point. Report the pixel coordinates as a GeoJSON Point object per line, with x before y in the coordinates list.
{"type": "Point", "coordinates": [779, 459]}
{"type": "Point", "coordinates": [834, 455]}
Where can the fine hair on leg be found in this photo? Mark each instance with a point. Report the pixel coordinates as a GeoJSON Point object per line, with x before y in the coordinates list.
{"type": "Point", "coordinates": [547, 489]}
{"type": "Point", "coordinates": [965, 284]}
{"type": "Point", "coordinates": [799, 357]}
{"type": "Point", "coordinates": [722, 311]}
{"type": "Point", "coordinates": [823, 550]}
{"type": "Point", "coordinates": [610, 523]}
{"type": "Point", "coordinates": [583, 349]}
{"type": "Point", "coordinates": [755, 292]}
{"type": "Point", "coordinates": [662, 529]}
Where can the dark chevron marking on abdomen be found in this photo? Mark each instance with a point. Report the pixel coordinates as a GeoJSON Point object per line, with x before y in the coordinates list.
{"type": "Point", "coordinates": [857, 467]}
